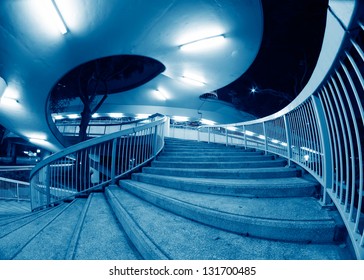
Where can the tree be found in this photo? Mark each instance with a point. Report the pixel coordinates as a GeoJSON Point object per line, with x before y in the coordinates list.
{"type": "Point", "coordinates": [93, 81]}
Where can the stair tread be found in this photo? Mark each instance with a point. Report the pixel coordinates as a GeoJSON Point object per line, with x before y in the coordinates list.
{"type": "Point", "coordinates": [289, 209]}
{"type": "Point", "coordinates": [182, 238]}
{"type": "Point", "coordinates": [101, 236]}
{"type": "Point", "coordinates": [236, 164]}
{"type": "Point", "coordinates": [271, 182]}
{"type": "Point", "coordinates": [12, 243]}
{"type": "Point", "coordinates": [232, 173]}
{"type": "Point", "coordinates": [52, 242]}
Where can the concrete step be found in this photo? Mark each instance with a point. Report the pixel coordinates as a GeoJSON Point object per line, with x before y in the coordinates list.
{"type": "Point", "coordinates": [238, 173]}
{"type": "Point", "coordinates": [284, 219]}
{"type": "Point", "coordinates": [236, 158]}
{"type": "Point", "coordinates": [52, 242]}
{"type": "Point", "coordinates": [161, 234]}
{"type": "Point", "coordinates": [243, 164]}
{"type": "Point", "coordinates": [101, 237]}
{"type": "Point", "coordinates": [273, 187]}
{"type": "Point", "coordinates": [13, 207]}
{"type": "Point", "coordinates": [219, 153]}
{"type": "Point", "coordinates": [13, 241]}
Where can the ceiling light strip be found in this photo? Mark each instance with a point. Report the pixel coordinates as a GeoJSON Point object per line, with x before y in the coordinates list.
{"type": "Point", "coordinates": [201, 43]}
{"type": "Point", "coordinates": [58, 18]}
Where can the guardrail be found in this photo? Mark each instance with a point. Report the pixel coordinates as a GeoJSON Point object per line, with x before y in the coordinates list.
{"type": "Point", "coordinates": [14, 189]}
{"type": "Point", "coordinates": [98, 128]}
{"type": "Point", "coordinates": [94, 163]}
{"type": "Point", "coordinates": [322, 130]}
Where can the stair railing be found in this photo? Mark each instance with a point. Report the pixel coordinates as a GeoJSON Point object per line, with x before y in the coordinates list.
{"type": "Point", "coordinates": [94, 164]}
{"type": "Point", "coordinates": [14, 189]}
{"type": "Point", "coordinates": [322, 130]}
{"type": "Point", "coordinates": [98, 128]}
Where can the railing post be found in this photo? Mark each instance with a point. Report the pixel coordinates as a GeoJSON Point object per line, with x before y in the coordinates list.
{"type": "Point", "coordinates": [113, 161]}
{"type": "Point", "coordinates": [227, 139]}
{"type": "Point", "coordinates": [17, 191]}
{"type": "Point", "coordinates": [265, 139]}
{"type": "Point", "coordinates": [245, 141]}
{"type": "Point", "coordinates": [326, 147]}
{"type": "Point", "coordinates": [48, 185]}
{"type": "Point", "coordinates": [155, 139]}
{"type": "Point", "coordinates": [288, 139]}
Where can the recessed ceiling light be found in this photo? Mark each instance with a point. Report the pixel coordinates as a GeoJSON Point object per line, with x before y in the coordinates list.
{"type": "Point", "coordinates": [203, 43]}
{"type": "Point", "coordinates": [193, 81]}
{"type": "Point", "coordinates": [160, 94]}
{"type": "Point", "coordinates": [9, 101]}
{"type": "Point", "coordinates": [57, 17]}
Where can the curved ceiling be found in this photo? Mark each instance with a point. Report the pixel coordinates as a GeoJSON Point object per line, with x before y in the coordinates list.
{"type": "Point", "coordinates": [34, 55]}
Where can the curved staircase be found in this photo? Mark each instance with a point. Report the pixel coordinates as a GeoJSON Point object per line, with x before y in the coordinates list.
{"type": "Point", "coordinates": [195, 201]}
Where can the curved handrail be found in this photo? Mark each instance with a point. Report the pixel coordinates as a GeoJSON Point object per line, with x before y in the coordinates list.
{"type": "Point", "coordinates": [323, 128]}
{"type": "Point", "coordinates": [94, 163]}
{"type": "Point", "coordinates": [99, 128]}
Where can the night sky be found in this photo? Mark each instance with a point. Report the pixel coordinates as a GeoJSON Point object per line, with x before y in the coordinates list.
{"type": "Point", "coordinates": [292, 39]}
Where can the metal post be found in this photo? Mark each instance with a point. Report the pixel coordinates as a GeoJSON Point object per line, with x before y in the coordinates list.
{"type": "Point", "coordinates": [113, 161]}
{"type": "Point", "coordinates": [17, 190]}
{"type": "Point", "coordinates": [326, 147]}
{"type": "Point", "coordinates": [48, 185]}
{"type": "Point", "coordinates": [226, 134]}
{"type": "Point", "coordinates": [265, 139]}
{"type": "Point", "coordinates": [288, 139]}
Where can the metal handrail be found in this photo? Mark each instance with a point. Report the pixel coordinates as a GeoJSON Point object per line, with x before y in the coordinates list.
{"type": "Point", "coordinates": [322, 129]}
{"type": "Point", "coordinates": [11, 189]}
{"type": "Point", "coordinates": [94, 163]}
{"type": "Point", "coordinates": [100, 127]}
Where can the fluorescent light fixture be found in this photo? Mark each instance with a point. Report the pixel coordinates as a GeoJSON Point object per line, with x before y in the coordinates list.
{"type": "Point", "coordinates": [58, 117]}
{"type": "Point", "coordinates": [142, 116]}
{"type": "Point", "coordinates": [95, 115]}
{"type": "Point", "coordinates": [208, 122]}
{"type": "Point", "coordinates": [202, 44]}
{"type": "Point", "coordinates": [160, 94]}
{"type": "Point", "coordinates": [284, 144]}
{"type": "Point", "coordinates": [57, 17]}
{"type": "Point", "coordinates": [261, 137]}
{"type": "Point", "coordinates": [2, 86]}
{"type": "Point", "coordinates": [231, 128]}
{"type": "Point", "coordinates": [193, 81]}
{"type": "Point", "coordinates": [8, 101]}
{"type": "Point", "coordinates": [275, 141]}
{"type": "Point", "coordinates": [249, 133]}
{"type": "Point", "coordinates": [306, 157]}
{"type": "Point", "coordinates": [180, 118]}
{"type": "Point", "coordinates": [116, 115]}
{"type": "Point", "coordinates": [73, 116]}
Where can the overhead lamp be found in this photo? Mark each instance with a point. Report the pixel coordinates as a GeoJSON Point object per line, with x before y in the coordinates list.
{"type": "Point", "coordinates": [73, 116]}
{"type": "Point", "coordinates": [160, 94]}
{"type": "Point", "coordinates": [57, 17]}
{"type": "Point", "coordinates": [193, 81]}
{"type": "Point", "coordinates": [249, 133]}
{"type": "Point", "coordinates": [180, 118]}
{"type": "Point", "coordinates": [9, 101]}
{"type": "Point", "coordinates": [58, 117]}
{"type": "Point", "coordinates": [142, 116]}
{"type": "Point", "coordinates": [231, 128]}
{"type": "Point", "coordinates": [208, 122]}
{"type": "Point", "coordinates": [116, 115]}
{"type": "Point", "coordinates": [202, 44]}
